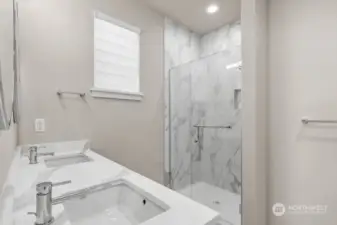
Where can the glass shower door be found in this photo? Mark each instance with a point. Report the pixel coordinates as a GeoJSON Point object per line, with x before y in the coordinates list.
{"type": "Point", "coordinates": [205, 116]}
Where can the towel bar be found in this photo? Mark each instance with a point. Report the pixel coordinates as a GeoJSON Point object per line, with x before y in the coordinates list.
{"type": "Point", "coordinates": [307, 121]}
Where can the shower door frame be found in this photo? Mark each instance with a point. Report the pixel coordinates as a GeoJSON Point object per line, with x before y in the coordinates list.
{"type": "Point", "coordinates": [200, 129]}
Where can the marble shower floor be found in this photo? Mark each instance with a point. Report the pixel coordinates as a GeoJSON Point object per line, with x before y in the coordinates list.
{"type": "Point", "coordinates": [223, 201]}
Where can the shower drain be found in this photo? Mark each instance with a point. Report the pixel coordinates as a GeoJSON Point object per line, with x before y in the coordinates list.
{"type": "Point", "coordinates": [216, 202]}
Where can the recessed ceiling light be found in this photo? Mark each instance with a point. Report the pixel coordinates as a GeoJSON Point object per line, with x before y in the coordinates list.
{"type": "Point", "coordinates": [213, 8]}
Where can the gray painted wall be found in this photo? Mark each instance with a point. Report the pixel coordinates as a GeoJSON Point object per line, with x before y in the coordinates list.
{"type": "Point", "coordinates": [302, 82]}
{"type": "Point", "coordinates": [56, 52]}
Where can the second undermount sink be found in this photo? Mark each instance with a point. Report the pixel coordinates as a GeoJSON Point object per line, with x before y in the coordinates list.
{"type": "Point", "coordinates": [119, 203]}
{"type": "Point", "coordinates": [59, 161]}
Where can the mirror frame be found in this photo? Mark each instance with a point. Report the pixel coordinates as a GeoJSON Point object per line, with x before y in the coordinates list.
{"type": "Point", "coordinates": [5, 121]}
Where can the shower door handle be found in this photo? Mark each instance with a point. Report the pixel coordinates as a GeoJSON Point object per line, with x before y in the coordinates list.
{"type": "Point", "coordinates": [200, 138]}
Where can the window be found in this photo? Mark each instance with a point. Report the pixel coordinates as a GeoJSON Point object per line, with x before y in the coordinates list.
{"type": "Point", "coordinates": [116, 59]}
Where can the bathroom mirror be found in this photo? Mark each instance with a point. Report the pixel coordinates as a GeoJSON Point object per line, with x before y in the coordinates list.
{"type": "Point", "coordinates": [7, 65]}
{"type": "Point", "coordinates": [6, 96]}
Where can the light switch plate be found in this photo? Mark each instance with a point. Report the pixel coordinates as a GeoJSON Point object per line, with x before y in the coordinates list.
{"type": "Point", "coordinates": [40, 125]}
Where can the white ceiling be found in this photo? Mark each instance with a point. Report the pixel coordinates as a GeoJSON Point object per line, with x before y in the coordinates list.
{"type": "Point", "coordinates": [192, 13]}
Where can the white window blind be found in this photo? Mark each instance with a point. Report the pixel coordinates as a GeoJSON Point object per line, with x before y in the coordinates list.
{"type": "Point", "coordinates": [116, 56]}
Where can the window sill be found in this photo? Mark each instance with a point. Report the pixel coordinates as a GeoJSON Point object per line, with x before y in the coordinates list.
{"type": "Point", "coordinates": [103, 93]}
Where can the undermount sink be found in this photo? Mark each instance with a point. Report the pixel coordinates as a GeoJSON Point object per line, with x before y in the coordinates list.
{"type": "Point", "coordinates": [59, 161]}
{"type": "Point", "coordinates": [119, 203]}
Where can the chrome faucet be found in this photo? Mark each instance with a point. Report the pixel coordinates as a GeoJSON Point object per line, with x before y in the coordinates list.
{"type": "Point", "coordinates": [44, 202]}
{"type": "Point", "coordinates": [32, 154]}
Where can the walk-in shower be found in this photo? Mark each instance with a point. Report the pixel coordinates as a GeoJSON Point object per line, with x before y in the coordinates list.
{"type": "Point", "coordinates": [205, 132]}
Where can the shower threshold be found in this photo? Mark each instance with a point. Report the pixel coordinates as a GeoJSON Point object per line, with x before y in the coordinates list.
{"type": "Point", "coordinates": [223, 201]}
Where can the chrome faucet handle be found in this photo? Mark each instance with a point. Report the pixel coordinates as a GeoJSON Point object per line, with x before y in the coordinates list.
{"type": "Point", "coordinates": [32, 147]}
{"type": "Point", "coordinates": [46, 154]}
{"type": "Point", "coordinates": [46, 187]}
{"type": "Point", "coordinates": [61, 183]}
{"type": "Point", "coordinates": [36, 147]}
{"type": "Point", "coordinates": [41, 146]}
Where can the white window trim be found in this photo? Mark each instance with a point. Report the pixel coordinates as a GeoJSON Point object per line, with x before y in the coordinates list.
{"type": "Point", "coordinates": [111, 94]}
{"type": "Point", "coordinates": [116, 22]}
{"type": "Point", "coordinates": [103, 93]}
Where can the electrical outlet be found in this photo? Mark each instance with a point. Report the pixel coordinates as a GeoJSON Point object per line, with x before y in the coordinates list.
{"type": "Point", "coordinates": [40, 125]}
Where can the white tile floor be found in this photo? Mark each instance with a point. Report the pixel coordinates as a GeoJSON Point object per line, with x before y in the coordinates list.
{"type": "Point", "coordinates": [223, 201]}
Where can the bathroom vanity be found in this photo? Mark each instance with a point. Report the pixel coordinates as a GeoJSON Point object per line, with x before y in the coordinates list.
{"type": "Point", "coordinates": [95, 190]}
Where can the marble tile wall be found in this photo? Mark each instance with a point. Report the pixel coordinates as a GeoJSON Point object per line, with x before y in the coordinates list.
{"type": "Point", "coordinates": [181, 46]}
{"type": "Point", "coordinates": [226, 38]}
{"type": "Point", "coordinates": [203, 92]}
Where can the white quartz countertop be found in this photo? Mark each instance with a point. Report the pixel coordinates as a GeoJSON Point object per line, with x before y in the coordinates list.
{"type": "Point", "coordinates": [19, 194]}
